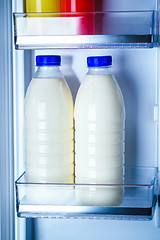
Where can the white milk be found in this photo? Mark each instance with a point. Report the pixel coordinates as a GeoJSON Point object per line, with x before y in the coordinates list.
{"type": "Point", "coordinates": [99, 138]}
{"type": "Point", "coordinates": [48, 131]}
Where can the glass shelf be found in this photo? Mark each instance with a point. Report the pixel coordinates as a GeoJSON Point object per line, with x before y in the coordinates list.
{"type": "Point", "coordinates": [133, 200]}
{"type": "Point", "coordinates": [86, 30]}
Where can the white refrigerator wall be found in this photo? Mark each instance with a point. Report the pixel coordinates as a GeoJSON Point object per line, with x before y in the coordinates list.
{"type": "Point", "coordinates": [136, 74]}
{"type": "Point", "coordinates": [128, 5]}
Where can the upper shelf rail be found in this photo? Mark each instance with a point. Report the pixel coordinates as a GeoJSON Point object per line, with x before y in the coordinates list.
{"type": "Point", "coordinates": [86, 30]}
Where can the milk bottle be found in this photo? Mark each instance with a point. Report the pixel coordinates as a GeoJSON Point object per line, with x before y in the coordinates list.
{"type": "Point", "coordinates": [48, 126]}
{"type": "Point", "coordinates": [99, 135]}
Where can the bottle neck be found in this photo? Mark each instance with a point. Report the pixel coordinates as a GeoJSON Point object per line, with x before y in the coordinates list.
{"type": "Point", "coordinates": [47, 72]}
{"type": "Point", "coordinates": [100, 70]}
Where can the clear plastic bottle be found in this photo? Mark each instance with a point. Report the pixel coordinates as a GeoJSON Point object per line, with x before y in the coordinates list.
{"type": "Point", "coordinates": [49, 125]}
{"type": "Point", "coordinates": [99, 134]}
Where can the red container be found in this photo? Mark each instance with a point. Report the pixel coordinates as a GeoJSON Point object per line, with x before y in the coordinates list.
{"type": "Point", "coordinates": [77, 5]}
{"type": "Point", "coordinates": [86, 20]}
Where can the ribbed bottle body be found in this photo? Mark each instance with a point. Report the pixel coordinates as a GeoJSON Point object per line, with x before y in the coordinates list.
{"type": "Point", "coordinates": [99, 138]}
{"type": "Point", "coordinates": [49, 131]}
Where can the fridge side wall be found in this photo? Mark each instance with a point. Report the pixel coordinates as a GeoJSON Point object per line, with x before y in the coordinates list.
{"type": "Point", "coordinates": [6, 123]}
{"type": "Point", "coordinates": [18, 101]}
{"type": "Point", "coordinates": [139, 84]}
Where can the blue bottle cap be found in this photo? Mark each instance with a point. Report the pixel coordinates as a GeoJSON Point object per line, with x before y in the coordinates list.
{"type": "Point", "coordinates": [48, 60]}
{"type": "Point", "coordinates": [99, 61]}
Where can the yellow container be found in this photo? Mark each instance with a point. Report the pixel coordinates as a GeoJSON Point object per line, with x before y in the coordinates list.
{"type": "Point", "coordinates": [42, 6]}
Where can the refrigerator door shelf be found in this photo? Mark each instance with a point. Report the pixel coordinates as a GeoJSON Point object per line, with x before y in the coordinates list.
{"type": "Point", "coordinates": [133, 198]}
{"type": "Point", "coordinates": [90, 30]}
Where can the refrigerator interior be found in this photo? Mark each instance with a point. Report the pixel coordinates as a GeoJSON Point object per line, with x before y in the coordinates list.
{"type": "Point", "coordinates": [137, 73]}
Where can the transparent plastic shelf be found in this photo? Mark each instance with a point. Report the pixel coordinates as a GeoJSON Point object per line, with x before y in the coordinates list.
{"type": "Point", "coordinates": [133, 200]}
{"type": "Point", "coordinates": [85, 30]}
